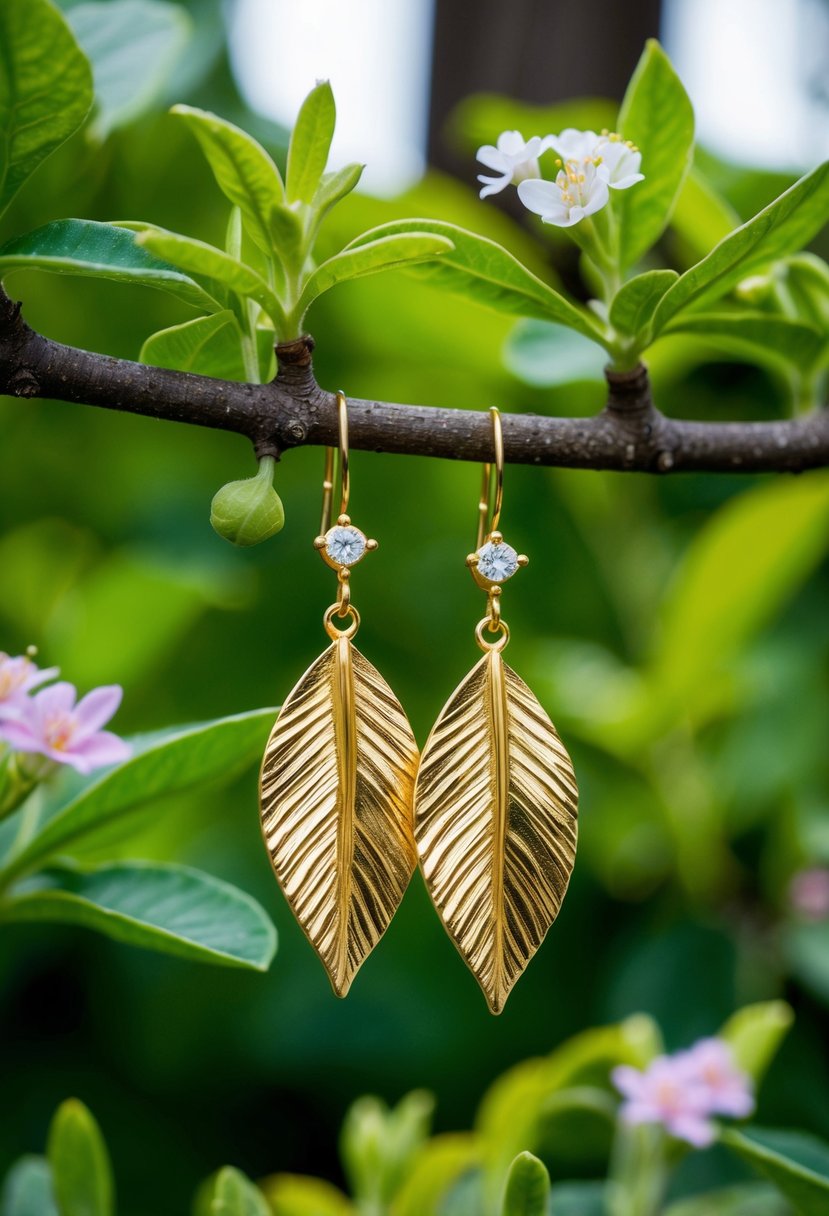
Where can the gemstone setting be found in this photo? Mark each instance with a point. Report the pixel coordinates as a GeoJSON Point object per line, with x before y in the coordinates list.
{"type": "Point", "coordinates": [345, 545]}
{"type": "Point", "coordinates": [497, 561]}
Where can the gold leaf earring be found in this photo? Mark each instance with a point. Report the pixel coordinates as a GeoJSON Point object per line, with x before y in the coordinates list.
{"type": "Point", "coordinates": [496, 796]}
{"type": "Point", "coordinates": [337, 779]}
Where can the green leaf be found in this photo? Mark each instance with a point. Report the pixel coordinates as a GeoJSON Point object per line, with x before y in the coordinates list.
{"type": "Point", "coordinates": [234, 1195]}
{"type": "Point", "coordinates": [754, 1034]}
{"type": "Point", "coordinates": [81, 1172]}
{"type": "Point", "coordinates": [797, 1164]}
{"type": "Point", "coordinates": [635, 303]}
{"type": "Point", "coordinates": [739, 570]}
{"type": "Point", "coordinates": [657, 116]}
{"type": "Point", "coordinates": [45, 89]}
{"type": "Point", "coordinates": [163, 763]}
{"type": "Point", "coordinates": [310, 144]}
{"type": "Point", "coordinates": [804, 279]}
{"type": "Point", "coordinates": [757, 336]}
{"type": "Point", "coordinates": [528, 1187]}
{"type": "Point", "coordinates": [482, 269]}
{"type": "Point", "coordinates": [266, 355]}
{"type": "Point", "coordinates": [378, 1145]}
{"type": "Point", "coordinates": [210, 346]}
{"type": "Point", "coordinates": [134, 46]}
{"type": "Point", "coordinates": [27, 1190]}
{"type": "Point", "coordinates": [243, 169]}
{"type": "Point", "coordinates": [510, 1115]}
{"type": "Point", "coordinates": [198, 257]}
{"type": "Point", "coordinates": [751, 1199]}
{"type": "Point", "coordinates": [701, 216]}
{"type": "Point", "coordinates": [335, 186]}
{"type": "Point", "coordinates": [102, 251]}
{"type": "Point", "coordinates": [387, 253]}
{"type": "Point", "coordinates": [295, 1195]}
{"type": "Point", "coordinates": [544, 354]}
{"type": "Point", "coordinates": [288, 237]}
{"type": "Point", "coordinates": [437, 1166]}
{"type": "Point", "coordinates": [783, 227]}
{"type": "Point", "coordinates": [166, 908]}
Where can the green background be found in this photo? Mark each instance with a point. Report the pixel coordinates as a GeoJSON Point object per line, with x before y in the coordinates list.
{"type": "Point", "coordinates": [689, 834]}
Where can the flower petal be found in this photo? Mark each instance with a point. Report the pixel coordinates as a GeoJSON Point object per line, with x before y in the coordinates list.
{"type": "Point", "coordinates": [572, 144]}
{"type": "Point", "coordinates": [41, 675]}
{"type": "Point", "coordinates": [598, 197]}
{"type": "Point", "coordinates": [57, 698]}
{"type": "Point", "coordinates": [96, 708]}
{"type": "Point", "coordinates": [693, 1129]}
{"type": "Point", "coordinates": [626, 182]}
{"type": "Point", "coordinates": [491, 158]}
{"type": "Point", "coordinates": [538, 195]}
{"type": "Point", "coordinates": [101, 749]}
{"type": "Point", "coordinates": [733, 1100]}
{"type": "Point", "coordinates": [628, 1080]}
{"type": "Point", "coordinates": [20, 735]}
{"type": "Point", "coordinates": [640, 1112]}
{"type": "Point", "coordinates": [493, 185]}
{"type": "Point", "coordinates": [511, 142]}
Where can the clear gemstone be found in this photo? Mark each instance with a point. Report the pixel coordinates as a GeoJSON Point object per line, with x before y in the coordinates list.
{"type": "Point", "coordinates": [345, 545]}
{"type": "Point", "coordinates": [497, 562]}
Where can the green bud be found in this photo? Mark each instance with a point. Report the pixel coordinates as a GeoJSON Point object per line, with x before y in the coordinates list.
{"type": "Point", "coordinates": [757, 289]}
{"type": "Point", "coordinates": [250, 511]}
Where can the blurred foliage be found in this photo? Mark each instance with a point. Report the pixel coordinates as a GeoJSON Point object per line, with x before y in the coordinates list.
{"type": "Point", "coordinates": [674, 628]}
{"type": "Point", "coordinates": [394, 1167]}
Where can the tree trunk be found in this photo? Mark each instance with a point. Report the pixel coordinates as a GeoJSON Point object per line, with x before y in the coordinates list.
{"type": "Point", "coordinates": [535, 50]}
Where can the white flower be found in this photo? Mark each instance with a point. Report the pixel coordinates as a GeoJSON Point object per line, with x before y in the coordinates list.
{"type": "Point", "coordinates": [513, 160]}
{"type": "Point", "coordinates": [618, 161]}
{"type": "Point", "coordinates": [573, 144]}
{"type": "Point", "coordinates": [577, 192]}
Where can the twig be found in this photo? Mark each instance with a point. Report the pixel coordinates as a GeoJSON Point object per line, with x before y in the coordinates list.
{"type": "Point", "coordinates": [628, 434]}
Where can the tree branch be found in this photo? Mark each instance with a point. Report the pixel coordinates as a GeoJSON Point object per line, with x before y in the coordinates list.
{"type": "Point", "coordinates": [629, 433]}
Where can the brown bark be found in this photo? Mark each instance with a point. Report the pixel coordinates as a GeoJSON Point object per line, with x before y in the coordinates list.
{"type": "Point", "coordinates": [293, 410]}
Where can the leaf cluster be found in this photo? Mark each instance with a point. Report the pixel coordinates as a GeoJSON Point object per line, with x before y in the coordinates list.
{"type": "Point", "coordinates": [395, 1168]}
{"type": "Point", "coordinates": [165, 907]}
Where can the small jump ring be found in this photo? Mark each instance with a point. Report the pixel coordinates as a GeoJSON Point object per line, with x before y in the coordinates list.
{"type": "Point", "coordinates": [332, 630]}
{"type": "Point", "coordinates": [344, 599]}
{"type": "Point", "coordinates": [492, 626]}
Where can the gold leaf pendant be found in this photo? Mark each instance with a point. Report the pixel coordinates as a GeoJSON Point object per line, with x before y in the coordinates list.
{"type": "Point", "coordinates": [336, 796]}
{"type": "Point", "coordinates": [495, 823]}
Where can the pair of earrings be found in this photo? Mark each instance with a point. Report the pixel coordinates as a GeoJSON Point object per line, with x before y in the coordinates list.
{"type": "Point", "coordinates": [348, 807]}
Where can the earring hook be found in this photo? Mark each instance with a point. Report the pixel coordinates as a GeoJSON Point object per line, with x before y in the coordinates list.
{"type": "Point", "coordinates": [328, 476]}
{"type": "Point", "coordinates": [342, 545]}
{"type": "Point", "coordinates": [492, 483]}
{"type": "Point", "coordinates": [494, 561]}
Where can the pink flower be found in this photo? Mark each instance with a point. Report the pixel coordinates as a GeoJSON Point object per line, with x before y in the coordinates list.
{"type": "Point", "coordinates": [809, 893]}
{"type": "Point", "coordinates": [682, 1091]}
{"type": "Point", "coordinates": [17, 677]}
{"type": "Point", "coordinates": [665, 1094]}
{"type": "Point", "coordinates": [51, 724]}
{"type": "Point", "coordinates": [710, 1064]}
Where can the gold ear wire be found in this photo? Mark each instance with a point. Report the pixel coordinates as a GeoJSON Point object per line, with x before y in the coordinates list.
{"type": "Point", "coordinates": [328, 477]}
{"type": "Point", "coordinates": [490, 569]}
{"type": "Point", "coordinates": [492, 483]}
{"type": "Point", "coordinates": [342, 545]}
